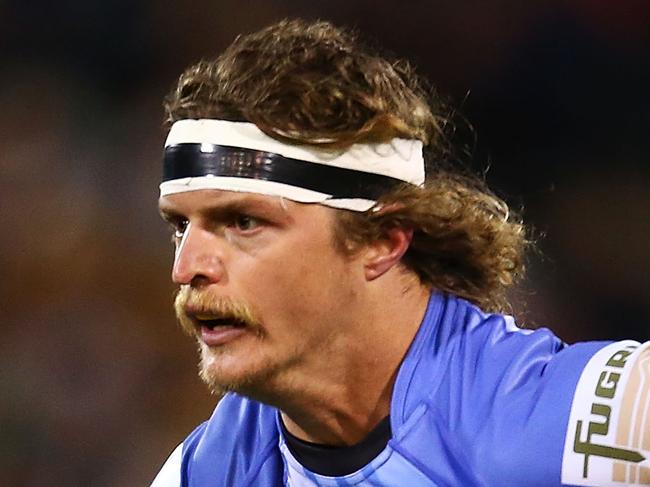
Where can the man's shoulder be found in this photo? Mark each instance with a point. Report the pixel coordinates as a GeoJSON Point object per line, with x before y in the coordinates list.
{"type": "Point", "coordinates": [493, 345]}
{"type": "Point", "coordinates": [486, 356]}
{"type": "Point", "coordinates": [459, 343]}
{"type": "Point", "coordinates": [524, 397]}
{"type": "Point", "coordinates": [503, 394]}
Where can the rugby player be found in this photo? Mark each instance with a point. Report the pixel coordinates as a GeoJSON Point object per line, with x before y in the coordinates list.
{"type": "Point", "coordinates": [348, 292]}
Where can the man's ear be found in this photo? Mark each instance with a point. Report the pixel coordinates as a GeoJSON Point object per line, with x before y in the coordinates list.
{"type": "Point", "coordinates": [384, 253]}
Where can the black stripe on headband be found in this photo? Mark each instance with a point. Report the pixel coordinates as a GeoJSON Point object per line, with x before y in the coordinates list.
{"type": "Point", "coordinates": [195, 160]}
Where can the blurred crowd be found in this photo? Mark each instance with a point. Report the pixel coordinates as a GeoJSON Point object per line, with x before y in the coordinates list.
{"type": "Point", "coordinates": [99, 384]}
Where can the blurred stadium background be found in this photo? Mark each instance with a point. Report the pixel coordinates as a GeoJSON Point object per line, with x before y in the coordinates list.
{"type": "Point", "coordinates": [98, 384]}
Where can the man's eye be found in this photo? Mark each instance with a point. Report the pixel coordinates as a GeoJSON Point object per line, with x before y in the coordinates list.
{"type": "Point", "coordinates": [245, 223]}
{"type": "Point", "coordinates": [178, 229]}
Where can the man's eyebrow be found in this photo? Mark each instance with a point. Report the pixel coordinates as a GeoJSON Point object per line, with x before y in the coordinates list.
{"type": "Point", "coordinates": [221, 209]}
{"type": "Point", "coordinates": [169, 215]}
{"type": "Point", "coordinates": [242, 206]}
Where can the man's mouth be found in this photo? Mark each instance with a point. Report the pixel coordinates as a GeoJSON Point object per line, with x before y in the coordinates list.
{"type": "Point", "coordinates": [215, 330]}
{"type": "Point", "coordinates": [212, 322]}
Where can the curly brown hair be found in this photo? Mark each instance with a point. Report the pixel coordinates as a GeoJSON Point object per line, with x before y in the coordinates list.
{"type": "Point", "coordinates": [313, 83]}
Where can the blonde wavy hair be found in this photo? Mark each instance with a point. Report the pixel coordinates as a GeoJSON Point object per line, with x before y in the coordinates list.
{"type": "Point", "coordinates": [313, 83]}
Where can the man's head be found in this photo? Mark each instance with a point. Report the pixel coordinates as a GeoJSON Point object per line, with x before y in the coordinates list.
{"type": "Point", "coordinates": [263, 285]}
{"type": "Point", "coordinates": [304, 278]}
{"type": "Point", "coordinates": [308, 83]}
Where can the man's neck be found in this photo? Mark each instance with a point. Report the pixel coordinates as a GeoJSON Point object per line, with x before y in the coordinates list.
{"type": "Point", "coordinates": [340, 397]}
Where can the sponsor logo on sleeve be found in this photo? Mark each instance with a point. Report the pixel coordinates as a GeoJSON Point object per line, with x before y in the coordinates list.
{"type": "Point", "coordinates": [608, 437]}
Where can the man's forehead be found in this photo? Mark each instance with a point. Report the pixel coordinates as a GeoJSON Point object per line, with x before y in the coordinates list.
{"type": "Point", "coordinates": [215, 199]}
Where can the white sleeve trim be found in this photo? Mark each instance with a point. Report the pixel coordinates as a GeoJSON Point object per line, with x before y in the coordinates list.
{"type": "Point", "coordinates": [170, 473]}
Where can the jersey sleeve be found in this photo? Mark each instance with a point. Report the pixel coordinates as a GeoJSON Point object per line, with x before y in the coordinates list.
{"type": "Point", "coordinates": [527, 409]}
{"type": "Point", "coordinates": [170, 473]}
{"type": "Point", "coordinates": [608, 435]}
{"type": "Point", "coordinates": [579, 416]}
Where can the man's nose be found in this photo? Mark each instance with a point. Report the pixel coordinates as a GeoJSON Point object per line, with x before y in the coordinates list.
{"type": "Point", "coordinates": [198, 258]}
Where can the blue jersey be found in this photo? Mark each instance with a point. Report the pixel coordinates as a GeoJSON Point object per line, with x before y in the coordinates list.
{"type": "Point", "coordinates": [476, 402]}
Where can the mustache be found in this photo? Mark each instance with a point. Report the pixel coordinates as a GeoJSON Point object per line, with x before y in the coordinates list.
{"type": "Point", "coordinates": [221, 308]}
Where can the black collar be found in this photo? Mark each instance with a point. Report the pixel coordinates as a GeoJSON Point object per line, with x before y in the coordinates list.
{"type": "Point", "coordinates": [336, 461]}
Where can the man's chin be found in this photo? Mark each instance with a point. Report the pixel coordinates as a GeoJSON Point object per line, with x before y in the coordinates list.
{"type": "Point", "coordinates": [224, 372]}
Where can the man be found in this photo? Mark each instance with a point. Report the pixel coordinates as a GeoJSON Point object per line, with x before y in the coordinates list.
{"type": "Point", "coordinates": [345, 291]}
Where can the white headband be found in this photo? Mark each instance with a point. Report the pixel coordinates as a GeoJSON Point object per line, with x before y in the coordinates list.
{"type": "Point", "coordinates": [195, 160]}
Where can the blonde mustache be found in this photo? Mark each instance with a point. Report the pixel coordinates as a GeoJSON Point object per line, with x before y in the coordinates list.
{"type": "Point", "coordinates": [220, 308]}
